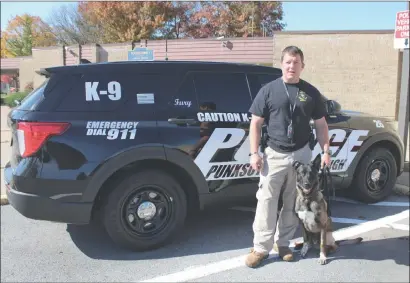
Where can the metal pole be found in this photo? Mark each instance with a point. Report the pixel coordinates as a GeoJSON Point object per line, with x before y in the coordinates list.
{"type": "Point", "coordinates": [403, 126]}
{"type": "Point", "coordinates": [403, 121]}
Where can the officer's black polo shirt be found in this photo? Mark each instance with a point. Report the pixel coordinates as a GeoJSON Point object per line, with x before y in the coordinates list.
{"type": "Point", "coordinates": [272, 103]}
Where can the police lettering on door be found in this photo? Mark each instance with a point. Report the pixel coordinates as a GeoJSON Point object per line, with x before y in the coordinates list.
{"type": "Point", "coordinates": [94, 91]}
{"type": "Point", "coordinates": [344, 146]}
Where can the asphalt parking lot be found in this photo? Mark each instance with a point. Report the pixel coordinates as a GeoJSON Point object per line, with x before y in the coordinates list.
{"type": "Point", "coordinates": [212, 247]}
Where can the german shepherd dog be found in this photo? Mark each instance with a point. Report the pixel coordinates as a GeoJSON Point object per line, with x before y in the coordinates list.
{"type": "Point", "coordinates": [311, 209]}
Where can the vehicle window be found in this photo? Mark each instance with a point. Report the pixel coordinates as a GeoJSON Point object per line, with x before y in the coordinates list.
{"type": "Point", "coordinates": [226, 92]}
{"type": "Point", "coordinates": [256, 81]}
{"type": "Point", "coordinates": [185, 94]}
{"type": "Point", "coordinates": [33, 98]}
{"type": "Point", "coordinates": [180, 100]}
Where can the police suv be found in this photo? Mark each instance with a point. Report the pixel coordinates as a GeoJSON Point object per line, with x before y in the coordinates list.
{"type": "Point", "coordinates": [140, 145]}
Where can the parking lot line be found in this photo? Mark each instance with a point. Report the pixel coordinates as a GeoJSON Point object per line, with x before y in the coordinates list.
{"type": "Point", "coordinates": [195, 272]}
{"type": "Point", "coordinates": [347, 220]}
{"type": "Point", "coordinates": [381, 203]}
{"type": "Point", "coordinates": [398, 226]}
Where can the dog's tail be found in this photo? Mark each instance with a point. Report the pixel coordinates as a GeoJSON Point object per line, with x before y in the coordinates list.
{"type": "Point", "coordinates": [355, 241]}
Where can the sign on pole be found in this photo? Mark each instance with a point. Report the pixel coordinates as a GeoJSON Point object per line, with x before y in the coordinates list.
{"type": "Point", "coordinates": [401, 32]}
{"type": "Point", "coordinates": [141, 54]}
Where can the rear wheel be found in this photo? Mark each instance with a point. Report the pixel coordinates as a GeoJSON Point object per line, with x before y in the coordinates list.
{"type": "Point", "coordinates": [145, 210]}
{"type": "Point", "coordinates": [375, 176]}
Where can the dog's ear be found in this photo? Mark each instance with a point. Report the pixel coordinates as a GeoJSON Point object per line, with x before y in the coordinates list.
{"type": "Point", "coordinates": [296, 164]}
{"type": "Point", "coordinates": [316, 162]}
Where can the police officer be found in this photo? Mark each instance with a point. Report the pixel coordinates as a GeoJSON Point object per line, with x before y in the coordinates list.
{"type": "Point", "coordinates": [286, 105]}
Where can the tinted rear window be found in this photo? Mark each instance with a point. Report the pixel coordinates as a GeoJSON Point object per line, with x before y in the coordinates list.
{"type": "Point", "coordinates": [228, 92]}
{"type": "Point", "coordinates": [30, 102]}
{"type": "Point", "coordinates": [258, 80]}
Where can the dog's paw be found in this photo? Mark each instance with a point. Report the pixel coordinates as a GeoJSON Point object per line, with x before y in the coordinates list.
{"type": "Point", "coordinates": [304, 250]}
{"type": "Point", "coordinates": [322, 259]}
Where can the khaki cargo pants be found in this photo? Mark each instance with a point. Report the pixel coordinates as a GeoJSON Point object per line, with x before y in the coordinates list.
{"type": "Point", "coordinates": [277, 174]}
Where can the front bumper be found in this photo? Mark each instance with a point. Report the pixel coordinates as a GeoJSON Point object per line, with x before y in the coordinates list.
{"type": "Point", "coordinates": [43, 208]}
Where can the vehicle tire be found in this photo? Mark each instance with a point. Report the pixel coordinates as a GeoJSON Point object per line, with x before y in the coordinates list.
{"type": "Point", "coordinates": [153, 194]}
{"type": "Point", "coordinates": [375, 176]}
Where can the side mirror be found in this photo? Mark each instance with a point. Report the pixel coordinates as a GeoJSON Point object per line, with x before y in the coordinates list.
{"type": "Point", "coordinates": [333, 107]}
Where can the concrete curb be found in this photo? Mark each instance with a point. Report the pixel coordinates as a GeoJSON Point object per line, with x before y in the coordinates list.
{"type": "Point", "coordinates": [401, 190]}
{"type": "Point", "coordinates": [4, 200]}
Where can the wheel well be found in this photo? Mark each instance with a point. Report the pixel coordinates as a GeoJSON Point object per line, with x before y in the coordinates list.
{"type": "Point", "coordinates": [181, 176]}
{"type": "Point", "coordinates": [389, 146]}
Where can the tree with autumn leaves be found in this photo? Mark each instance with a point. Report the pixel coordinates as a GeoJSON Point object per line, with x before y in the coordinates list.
{"type": "Point", "coordinates": [236, 19]}
{"type": "Point", "coordinates": [112, 22]}
{"type": "Point", "coordinates": [22, 34]}
{"type": "Point", "coordinates": [127, 21]}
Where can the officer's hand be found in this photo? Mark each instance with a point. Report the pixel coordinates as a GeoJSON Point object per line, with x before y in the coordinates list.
{"type": "Point", "coordinates": [325, 160]}
{"type": "Point", "coordinates": [256, 162]}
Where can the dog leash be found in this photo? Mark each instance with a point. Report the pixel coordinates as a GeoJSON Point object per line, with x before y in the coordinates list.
{"type": "Point", "coordinates": [325, 186]}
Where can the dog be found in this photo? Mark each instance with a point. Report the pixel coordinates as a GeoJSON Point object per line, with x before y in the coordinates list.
{"type": "Point", "coordinates": [311, 209]}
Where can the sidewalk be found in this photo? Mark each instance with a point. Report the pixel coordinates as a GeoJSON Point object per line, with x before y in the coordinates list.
{"type": "Point", "coordinates": [5, 110]}
{"type": "Point", "coordinates": [5, 148]}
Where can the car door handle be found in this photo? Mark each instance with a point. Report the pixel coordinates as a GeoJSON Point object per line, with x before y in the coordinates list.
{"type": "Point", "coordinates": [181, 121]}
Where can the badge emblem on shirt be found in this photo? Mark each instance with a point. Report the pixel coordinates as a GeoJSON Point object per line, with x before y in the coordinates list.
{"type": "Point", "coordinates": [302, 96]}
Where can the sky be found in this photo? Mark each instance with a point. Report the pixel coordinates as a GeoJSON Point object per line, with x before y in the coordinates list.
{"type": "Point", "coordinates": [298, 16]}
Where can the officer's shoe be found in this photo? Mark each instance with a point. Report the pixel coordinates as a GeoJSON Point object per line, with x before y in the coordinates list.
{"type": "Point", "coordinates": [285, 253]}
{"type": "Point", "coordinates": [254, 258]}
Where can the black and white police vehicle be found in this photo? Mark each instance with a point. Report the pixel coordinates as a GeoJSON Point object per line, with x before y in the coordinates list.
{"type": "Point", "coordinates": [139, 145]}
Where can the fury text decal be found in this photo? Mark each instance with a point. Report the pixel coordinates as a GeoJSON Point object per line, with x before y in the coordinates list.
{"type": "Point", "coordinates": [186, 103]}
{"type": "Point", "coordinates": [112, 129]}
{"type": "Point", "coordinates": [113, 91]}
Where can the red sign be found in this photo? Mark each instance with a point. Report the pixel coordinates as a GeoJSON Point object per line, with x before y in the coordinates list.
{"type": "Point", "coordinates": [402, 25]}
{"type": "Point", "coordinates": [401, 32]}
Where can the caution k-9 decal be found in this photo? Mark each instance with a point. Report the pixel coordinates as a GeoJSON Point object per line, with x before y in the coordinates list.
{"type": "Point", "coordinates": [344, 146]}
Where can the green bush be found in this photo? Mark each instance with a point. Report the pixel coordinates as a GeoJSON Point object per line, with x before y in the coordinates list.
{"type": "Point", "coordinates": [10, 98]}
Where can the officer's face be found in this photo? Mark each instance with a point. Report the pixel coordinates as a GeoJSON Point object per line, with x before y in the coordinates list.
{"type": "Point", "coordinates": [292, 67]}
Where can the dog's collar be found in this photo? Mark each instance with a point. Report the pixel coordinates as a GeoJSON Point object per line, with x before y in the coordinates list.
{"type": "Point", "coordinates": [301, 190]}
{"type": "Point", "coordinates": [308, 196]}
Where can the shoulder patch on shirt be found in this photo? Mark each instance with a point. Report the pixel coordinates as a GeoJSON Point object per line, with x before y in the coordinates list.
{"type": "Point", "coordinates": [302, 96]}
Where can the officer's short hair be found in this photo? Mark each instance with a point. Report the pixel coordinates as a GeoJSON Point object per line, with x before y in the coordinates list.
{"type": "Point", "coordinates": [292, 50]}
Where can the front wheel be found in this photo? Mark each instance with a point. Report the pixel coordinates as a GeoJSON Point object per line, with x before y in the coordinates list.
{"type": "Point", "coordinates": [145, 210]}
{"type": "Point", "coordinates": [375, 176]}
